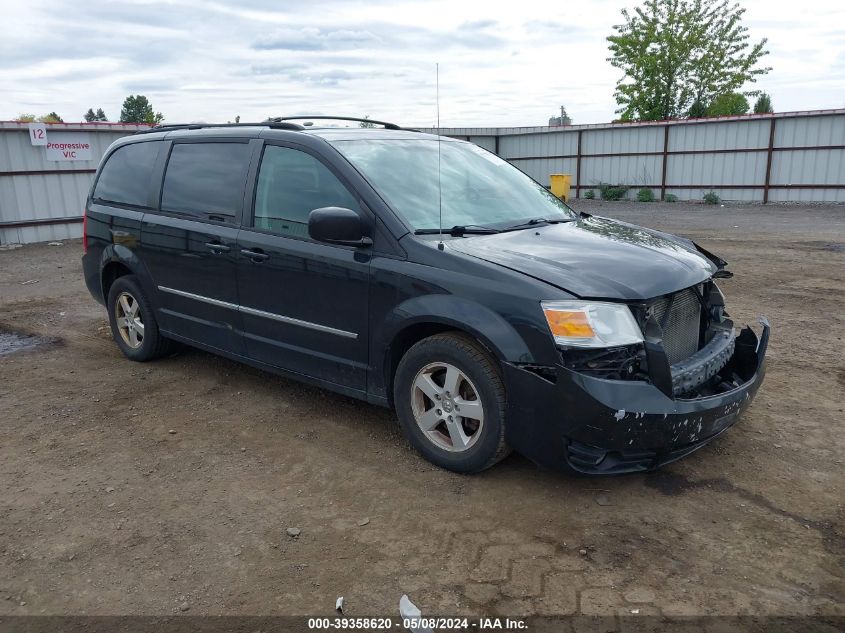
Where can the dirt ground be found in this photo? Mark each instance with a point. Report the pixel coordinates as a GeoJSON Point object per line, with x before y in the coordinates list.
{"type": "Point", "coordinates": [167, 487]}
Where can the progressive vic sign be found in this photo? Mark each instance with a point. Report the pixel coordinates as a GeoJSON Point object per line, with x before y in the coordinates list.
{"type": "Point", "coordinates": [63, 146]}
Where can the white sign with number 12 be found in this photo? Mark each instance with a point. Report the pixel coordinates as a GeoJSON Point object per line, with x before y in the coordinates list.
{"type": "Point", "coordinates": [38, 133]}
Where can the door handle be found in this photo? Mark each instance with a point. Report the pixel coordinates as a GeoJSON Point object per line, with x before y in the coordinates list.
{"type": "Point", "coordinates": [217, 247]}
{"type": "Point", "coordinates": [257, 256]}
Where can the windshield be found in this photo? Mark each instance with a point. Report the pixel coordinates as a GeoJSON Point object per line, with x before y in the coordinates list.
{"type": "Point", "coordinates": [477, 188]}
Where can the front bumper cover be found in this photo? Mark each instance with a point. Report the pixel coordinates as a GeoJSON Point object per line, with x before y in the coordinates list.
{"type": "Point", "coordinates": [598, 426]}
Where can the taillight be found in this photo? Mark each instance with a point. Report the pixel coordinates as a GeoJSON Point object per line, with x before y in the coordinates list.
{"type": "Point", "coordinates": [84, 231]}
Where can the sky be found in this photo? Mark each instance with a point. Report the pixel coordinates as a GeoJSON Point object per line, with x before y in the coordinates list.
{"type": "Point", "coordinates": [501, 63]}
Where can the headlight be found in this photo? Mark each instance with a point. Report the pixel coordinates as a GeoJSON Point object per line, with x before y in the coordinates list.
{"type": "Point", "coordinates": [591, 324]}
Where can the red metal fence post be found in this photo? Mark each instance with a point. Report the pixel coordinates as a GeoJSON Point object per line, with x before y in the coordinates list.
{"type": "Point", "coordinates": [769, 161]}
{"type": "Point", "coordinates": [578, 167]}
{"type": "Point", "coordinates": [665, 160]}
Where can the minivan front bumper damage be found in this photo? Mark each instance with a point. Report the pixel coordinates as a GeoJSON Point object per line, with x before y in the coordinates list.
{"type": "Point", "coordinates": [597, 426]}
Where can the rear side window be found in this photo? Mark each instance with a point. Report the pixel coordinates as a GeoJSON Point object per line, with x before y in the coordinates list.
{"type": "Point", "coordinates": [205, 178]}
{"type": "Point", "coordinates": [127, 174]}
{"type": "Point", "coordinates": [291, 184]}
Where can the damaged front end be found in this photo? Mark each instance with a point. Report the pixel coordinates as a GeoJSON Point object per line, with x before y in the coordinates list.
{"type": "Point", "coordinates": [636, 407]}
{"type": "Point", "coordinates": [689, 348]}
{"type": "Point", "coordinates": [638, 427]}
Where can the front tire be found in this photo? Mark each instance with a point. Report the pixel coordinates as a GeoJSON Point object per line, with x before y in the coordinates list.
{"type": "Point", "coordinates": [132, 320]}
{"type": "Point", "coordinates": [450, 400]}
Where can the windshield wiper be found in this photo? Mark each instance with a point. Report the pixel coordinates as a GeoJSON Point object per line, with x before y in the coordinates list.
{"type": "Point", "coordinates": [459, 230]}
{"type": "Point", "coordinates": [535, 222]}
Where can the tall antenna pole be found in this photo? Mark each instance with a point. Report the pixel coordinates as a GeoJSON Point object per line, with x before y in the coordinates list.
{"type": "Point", "coordinates": [439, 189]}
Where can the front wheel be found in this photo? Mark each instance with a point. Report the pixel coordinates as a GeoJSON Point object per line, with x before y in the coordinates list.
{"type": "Point", "coordinates": [450, 400]}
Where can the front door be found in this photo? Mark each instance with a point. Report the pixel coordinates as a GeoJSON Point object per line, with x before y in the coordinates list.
{"type": "Point", "coordinates": [303, 303]}
{"type": "Point", "coordinates": [190, 245]}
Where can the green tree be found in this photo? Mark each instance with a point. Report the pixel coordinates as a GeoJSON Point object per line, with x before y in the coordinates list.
{"type": "Point", "coordinates": [139, 110]}
{"type": "Point", "coordinates": [25, 117]}
{"type": "Point", "coordinates": [697, 110]}
{"type": "Point", "coordinates": [51, 117]}
{"type": "Point", "coordinates": [674, 53]}
{"type": "Point", "coordinates": [99, 115]}
{"type": "Point", "coordinates": [366, 123]}
{"type": "Point", "coordinates": [763, 105]}
{"type": "Point", "coordinates": [728, 104]}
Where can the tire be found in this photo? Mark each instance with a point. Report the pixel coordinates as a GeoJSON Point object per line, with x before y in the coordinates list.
{"type": "Point", "coordinates": [141, 340]}
{"type": "Point", "coordinates": [463, 441]}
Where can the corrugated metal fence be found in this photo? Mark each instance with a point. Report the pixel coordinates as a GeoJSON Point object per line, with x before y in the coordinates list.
{"type": "Point", "coordinates": [797, 156]}
{"type": "Point", "coordinates": [784, 157]}
{"type": "Point", "coordinates": [42, 199]}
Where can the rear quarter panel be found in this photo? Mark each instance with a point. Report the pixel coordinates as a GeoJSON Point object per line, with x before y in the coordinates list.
{"type": "Point", "coordinates": [114, 235]}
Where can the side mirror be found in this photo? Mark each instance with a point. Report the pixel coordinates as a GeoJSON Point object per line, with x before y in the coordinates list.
{"type": "Point", "coordinates": [337, 225]}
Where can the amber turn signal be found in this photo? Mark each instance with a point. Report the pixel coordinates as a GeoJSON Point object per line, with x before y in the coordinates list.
{"type": "Point", "coordinates": [573, 324]}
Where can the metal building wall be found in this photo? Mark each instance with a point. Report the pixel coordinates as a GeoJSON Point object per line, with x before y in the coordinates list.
{"type": "Point", "coordinates": [487, 142]}
{"type": "Point", "coordinates": [797, 156]}
{"type": "Point", "coordinates": [717, 156]}
{"type": "Point", "coordinates": [783, 157]}
{"type": "Point", "coordinates": [534, 153]}
{"type": "Point", "coordinates": [42, 200]}
{"type": "Point", "coordinates": [804, 167]}
{"type": "Point", "coordinates": [607, 156]}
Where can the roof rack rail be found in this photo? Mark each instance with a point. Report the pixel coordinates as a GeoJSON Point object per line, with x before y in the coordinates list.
{"type": "Point", "coordinates": [276, 125]}
{"type": "Point", "coordinates": [320, 117]}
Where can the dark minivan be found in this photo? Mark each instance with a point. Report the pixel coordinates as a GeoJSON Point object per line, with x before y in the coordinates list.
{"type": "Point", "coordinates": [319, 253]}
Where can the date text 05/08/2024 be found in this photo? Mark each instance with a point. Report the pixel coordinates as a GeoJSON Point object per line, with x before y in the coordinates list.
{"type": "Point", "coordinates": [418, 624]}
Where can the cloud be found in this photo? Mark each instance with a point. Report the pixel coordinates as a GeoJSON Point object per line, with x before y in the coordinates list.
{"type": "Point", "coordinates": [559, 30]}
{"type": "Point", "coordinates": [474, 25]}
{"type": "Point", "coordinates": [275, 69]}
{"type": "Point", "coordinates": [141, 86]}
{"type": "Point", "coordinates": [315, 39]}
{"type": "Point", "coordinates": [381, 36]}
{"type": "Point", "coordinates": [325, 78]}
{"type": "Point", "coordinates": [500, 63]}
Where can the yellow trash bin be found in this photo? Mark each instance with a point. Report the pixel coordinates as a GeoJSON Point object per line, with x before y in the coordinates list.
{"type": "Point", "coordinates": [560, 185]}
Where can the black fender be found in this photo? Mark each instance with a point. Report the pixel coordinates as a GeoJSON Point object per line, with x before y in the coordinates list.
{"type": "Point", "coordinates": [451, 311]}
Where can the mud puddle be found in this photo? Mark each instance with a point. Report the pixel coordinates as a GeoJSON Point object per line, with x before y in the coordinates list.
{"type": "Point", "coordinates": [11, 342]}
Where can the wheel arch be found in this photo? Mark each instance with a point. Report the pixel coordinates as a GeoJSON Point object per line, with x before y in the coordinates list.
{"type": "Point", "coordinates": [118, 260]}
{"type": "Point", "coordinates": [421, 317]}
{"type": "Point", "coordinates": [112, 271]}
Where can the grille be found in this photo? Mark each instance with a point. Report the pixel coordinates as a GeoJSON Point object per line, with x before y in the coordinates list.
{"type": "Point", "coordinates": [680, 317]}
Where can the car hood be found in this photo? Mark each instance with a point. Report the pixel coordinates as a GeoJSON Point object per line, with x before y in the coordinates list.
{"type": "Point", "coordinates": [596, 257]}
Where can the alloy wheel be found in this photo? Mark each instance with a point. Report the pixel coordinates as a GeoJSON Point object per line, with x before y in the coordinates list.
{"type": "Point", "coordinates": [447, 407]}
{"type": "Point", "coordinates": [128, 318]}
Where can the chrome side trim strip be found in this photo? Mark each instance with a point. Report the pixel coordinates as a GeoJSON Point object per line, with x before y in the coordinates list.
{"type": "Point", "coordinates": [260, 313]}
{"type": "Point", "coordinates": [292, 321]}
{"type": "Point", "coordinates": [190, 295]}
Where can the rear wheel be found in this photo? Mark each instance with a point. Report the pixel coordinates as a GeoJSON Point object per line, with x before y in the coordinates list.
{"type": "Point", "coordinates": [450, 400]}
{"type": "Point", "coordinates": [132, 321]}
